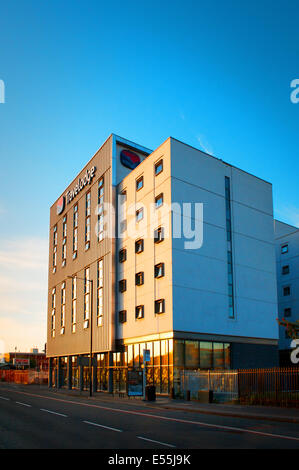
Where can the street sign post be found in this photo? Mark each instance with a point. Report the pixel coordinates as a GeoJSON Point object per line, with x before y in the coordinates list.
{"type": "Point", "coordinates": [146, 358]}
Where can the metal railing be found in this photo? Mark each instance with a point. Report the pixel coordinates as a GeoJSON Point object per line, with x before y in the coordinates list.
{"type": "Point", "coordinates": [276, 386]}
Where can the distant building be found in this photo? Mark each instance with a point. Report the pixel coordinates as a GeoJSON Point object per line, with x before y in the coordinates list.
{"type": "Point", "coordinates": [25, 360]}
{"type": "Point", "coordinates": [287, 259]}
{"type": "Point", "coordinates": [206, 305]}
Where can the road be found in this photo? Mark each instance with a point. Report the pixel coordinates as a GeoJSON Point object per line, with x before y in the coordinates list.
{"type": "Point", "coordinates": [41, 419]}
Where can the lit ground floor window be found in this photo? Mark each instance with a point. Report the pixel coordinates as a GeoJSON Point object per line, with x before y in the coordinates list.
{"type": "Point", "coordinates": [168, 359]}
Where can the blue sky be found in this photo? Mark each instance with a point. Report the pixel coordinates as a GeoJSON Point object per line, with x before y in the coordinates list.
{"type": "Point", "coordinates": [215, 75]}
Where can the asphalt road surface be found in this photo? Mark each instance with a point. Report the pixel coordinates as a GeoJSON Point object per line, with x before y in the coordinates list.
{"type": "Point", "coordinates": [40, 419]}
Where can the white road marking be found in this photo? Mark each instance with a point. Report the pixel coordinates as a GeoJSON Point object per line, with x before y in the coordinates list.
{"type": "Point", "coordinates": [156, 442]}
{"type": "Point", "coordinates": [53, 412]}
{"type": "Point", "coordinates": [165, 418]}
{"type": "Point", "coordinates": [102, 426]}
{"type": "Point", "coordinates": [4, 398]}
{"type": "Point", "coordinates": [24, 404]}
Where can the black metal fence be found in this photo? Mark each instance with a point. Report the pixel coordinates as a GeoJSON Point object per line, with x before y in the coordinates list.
{"type": "Point", "coordinates": [273, 387]}
{"type": "Point", "coordinates": [277, 386]}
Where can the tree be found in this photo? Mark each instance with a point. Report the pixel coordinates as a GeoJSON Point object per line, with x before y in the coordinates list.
{"type": "Point", "coordinates": [292, 328]}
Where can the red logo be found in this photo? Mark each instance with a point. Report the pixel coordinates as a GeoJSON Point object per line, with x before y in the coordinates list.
{"type": "Point", "coordinates": [60, 205]}
{"type": "Point", "coordinates": [129, 159]}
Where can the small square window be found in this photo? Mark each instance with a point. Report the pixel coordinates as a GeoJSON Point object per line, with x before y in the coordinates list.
{"type": "Point", "coordinates": [139, 246]}
{"type": "Point", "coordinates": [285, 269]}
{"type": "Point", "coordinates": [139, 312]}
{"type": "Point", "coordinates": [158, 167]}
{"type": "Point", "coordinates": [122, 316]}
{"type": "Point", "coordinates": [122, 285]}
{"type": "Point", "coordinates": [284, 249]}
{"type": "Point", "coordinates": [159, 306]}
{"type": "Point", "coordinates": [159, 270]}
{"type": "Point", "coordinates": [159, 235]}
{"type": "Point", "coordinates": [139, 278]}
{"type": "Point", "coordinates": [122, 255]}
{"type": "Point", "coordinates": [159, 201]}
{"type": "Point", "coordinates": [287, 312]}
{"type": "Point", "coordinates": [139, 183]}
{"type": "Point", "coordinates": [286, 290]}
{"type": "Point", "coordinates": [139, 214]}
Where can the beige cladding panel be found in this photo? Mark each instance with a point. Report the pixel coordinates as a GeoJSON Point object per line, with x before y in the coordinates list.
{"type": "Point", "coordinates": [152, 289]}
{"type": "Point", "coordinates": [76, 343]}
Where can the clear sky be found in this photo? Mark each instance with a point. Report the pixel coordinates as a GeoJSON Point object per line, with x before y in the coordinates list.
{"type": "Point", "coordinates": [215, 75]}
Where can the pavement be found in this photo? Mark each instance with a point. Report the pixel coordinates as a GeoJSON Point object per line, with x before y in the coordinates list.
{"type": "Point", "coordinates": [279, 414]}
{"type": "Point", "coordinates": [34, 416]}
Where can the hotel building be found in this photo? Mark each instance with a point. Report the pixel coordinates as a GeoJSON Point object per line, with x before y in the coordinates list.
{"type": "Point", "coordinates": [287, 258]}
{"type": "Point", "coordinates": [182, 263]}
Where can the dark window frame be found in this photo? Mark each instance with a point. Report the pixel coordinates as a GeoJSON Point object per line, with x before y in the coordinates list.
{"type": "Point", "coordinates": [160, 196]}
{"type": "Point", "coordinates": [157, 266]}
{"type": "Point", "coordinates": [139, 180]}
{"type": "Point", "coordinates": [122, 316]}
{"type": "Point", "coordinates": [157, 304]}
{"type": "Point", "coordinates": [158, 239]}
{"type": "Point", "coordinates": [139, 276]}
{"type": "Point", "coordinates": [139, 242]}
{"type": "Point", "coordinates": [283, 252]}
{"type": "Point", "coordinates": [122, 255]}
{"type": "Point", "coordinates": [159, 162]}
{"type": "Point", "coordinates": [122, 285]}
{"type": "Point", "coordinates": [137, 317]}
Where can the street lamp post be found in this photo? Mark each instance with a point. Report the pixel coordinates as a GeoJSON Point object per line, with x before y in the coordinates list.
{"type": "Point", "coordinates": [91, 312]}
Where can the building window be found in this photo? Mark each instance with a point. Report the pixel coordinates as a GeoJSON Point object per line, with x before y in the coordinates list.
{"type": "Point", "coordinates": [64, 255]}
{"type": "Point", "coordinates": [86, 297]}
{"type": "Point", "coordinates": [122, 285]}
{"type": "Point", "coordinates": [158, 167]}
{"type": "Point", "coordinates": [101, 209]}
{"type": "Point", "coordinates": [75, 231]}
{"type": "Point", "coordinates": [159, 201]}
{"type": "Point", "coordinates": [139, 214]}
{"type": "Point", "coordinates": [284, 249]}
{"type": "Point", "coordinates": [285, 269]}
{"type": "Point", "coordinates": [230, 274]}
{"type": "Point", "coordinates": [139, 246]}
{"type": "Point", "coordinates": [159, 306]}
{"type": "Point", "coordinates": [159, 235]}
{"type": "Point", "coordinates": [286, 291]}
{"type": "Point", "coordinates": [53, 314]}
{"type": "Point", "coordinates": [54, 248]}
{"type": "Point", "coordinates": [122, 316]}
{"type": "Point", "coordinates": [62, 316]}
{"type": "Point", "coordinates": [87, 220]}
{"type": "Point", "coordinates": [139, 183]}
{"type": "Point", "coordinates": [139, 279]}
{"type": "Point", "coordinates": [287, 312]}
{"type": "Point", "coordinates": [74, 303]}
{"type": "Point", "coordinates": [139, 313]}
{"type": "Point", "coordinates": [100, 285]}
{"type": "Point", "coordinates": [122, 255]}
{"type": "Point", "coordinates": [159, 270]}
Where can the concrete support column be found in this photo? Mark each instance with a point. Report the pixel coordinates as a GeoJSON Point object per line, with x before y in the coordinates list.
{"type": "Point", "coordinates": [50, 380]}
{"type": "Point", "coordinates": [110, 372]}
{"type": "Point", "coordinates": [94, 376]}
{"type": "Point", "coordinates": [58, 373]}
{"type": "Point", "coordinates": [69, 372]}
{"type": "Point", "coordinates": [80, 378]}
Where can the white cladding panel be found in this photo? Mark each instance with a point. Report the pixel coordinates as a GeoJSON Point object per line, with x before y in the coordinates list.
{"type": "Point", "coordinates": [200, 277]}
